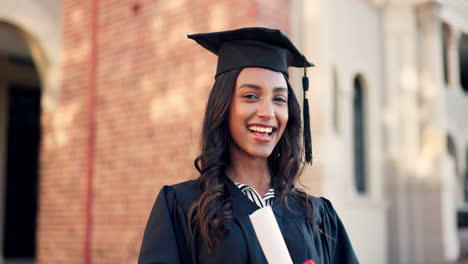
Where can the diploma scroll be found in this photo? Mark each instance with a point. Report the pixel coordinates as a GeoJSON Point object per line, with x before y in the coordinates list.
{"type": "Point", "coordinates": [270, 237]}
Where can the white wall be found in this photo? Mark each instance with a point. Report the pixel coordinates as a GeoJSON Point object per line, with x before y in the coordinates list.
{"type": "Point", "coordinates": [346, 34]}
{"type": "Point", "coordinates": [448, 214]}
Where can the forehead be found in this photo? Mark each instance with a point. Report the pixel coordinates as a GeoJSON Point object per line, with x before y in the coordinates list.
{"type": "Point", "coordinates": [262, 77]}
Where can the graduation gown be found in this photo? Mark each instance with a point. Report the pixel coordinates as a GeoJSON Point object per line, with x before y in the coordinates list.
{"type": "Point", "coordinates": [167, 240]}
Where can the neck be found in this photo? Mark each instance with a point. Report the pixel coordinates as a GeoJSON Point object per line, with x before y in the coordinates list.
{"type": "Point", "coordinates": [249, 170]}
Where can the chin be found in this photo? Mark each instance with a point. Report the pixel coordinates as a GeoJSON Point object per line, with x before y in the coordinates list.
{"type": "Point", "coordinates": [261, 154]}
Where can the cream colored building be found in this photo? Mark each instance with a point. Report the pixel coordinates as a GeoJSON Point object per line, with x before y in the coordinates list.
{"type": "Point", "coordinates": [388, 98]}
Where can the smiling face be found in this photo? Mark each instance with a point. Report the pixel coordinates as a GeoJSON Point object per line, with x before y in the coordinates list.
{"type": "Point", "coordinates": [258, 112]}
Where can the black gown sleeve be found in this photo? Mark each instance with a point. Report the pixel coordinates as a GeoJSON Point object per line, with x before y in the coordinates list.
{"type": "Point", "coordinates": [160, 239]}
{"type": "Point", "coordinates": [340, 246]}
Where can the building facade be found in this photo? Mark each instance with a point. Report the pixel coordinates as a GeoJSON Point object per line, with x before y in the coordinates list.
{"type": "Point", "coordinates": [392, 133]}
{"type": "Point", "coordinates": [102, 102]}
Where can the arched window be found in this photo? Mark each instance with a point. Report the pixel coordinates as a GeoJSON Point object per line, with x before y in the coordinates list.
{"type": "Point", "coordinates": [359, 134]}
{"type": "Point", "coordinates": [465, 183]}
{"type": "Point", "coordinates": [463, 60]}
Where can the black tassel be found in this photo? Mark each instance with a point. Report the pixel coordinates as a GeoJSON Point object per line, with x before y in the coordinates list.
{"type": "Point", "coordinates": [306, 132]}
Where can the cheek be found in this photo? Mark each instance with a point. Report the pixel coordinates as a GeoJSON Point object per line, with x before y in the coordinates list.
{"type": "Point", "coordinates": [236, 117]}
{"type": "Point", "coordinates": [239, 113]}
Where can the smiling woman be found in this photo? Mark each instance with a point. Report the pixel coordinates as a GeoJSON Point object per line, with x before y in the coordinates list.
{"type": "Point", "coordinates": [251, 157]}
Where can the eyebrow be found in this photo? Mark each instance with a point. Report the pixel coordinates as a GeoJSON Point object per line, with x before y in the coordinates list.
{"type": "Point", "coordinates": [257, 87]}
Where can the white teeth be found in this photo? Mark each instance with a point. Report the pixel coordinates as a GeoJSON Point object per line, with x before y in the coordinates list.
{"type": "Point", "coordinates": [261, 129]}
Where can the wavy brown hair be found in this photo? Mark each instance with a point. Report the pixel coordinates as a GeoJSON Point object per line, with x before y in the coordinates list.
{"type": "Point", "coordinates": [206, 216]}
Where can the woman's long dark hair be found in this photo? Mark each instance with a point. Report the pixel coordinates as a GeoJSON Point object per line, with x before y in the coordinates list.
{"type": "Point", "coordinates": [206, 216]}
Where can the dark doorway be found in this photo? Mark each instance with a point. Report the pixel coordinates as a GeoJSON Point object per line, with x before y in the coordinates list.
{"type": "Point", "coordinates": [22, 173]}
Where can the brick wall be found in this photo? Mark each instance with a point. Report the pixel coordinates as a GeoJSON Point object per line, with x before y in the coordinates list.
{"type": "Point", "coordinates": [63, 149]}
{"type": "Point", "coordinates": [152, 86]}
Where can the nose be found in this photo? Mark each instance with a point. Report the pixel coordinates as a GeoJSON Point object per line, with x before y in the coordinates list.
{"type": "Point", "coordinates": [265, 110]}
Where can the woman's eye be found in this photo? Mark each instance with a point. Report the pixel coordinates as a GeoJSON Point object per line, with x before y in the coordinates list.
{"type": "Point", "coordinates": [251, 96]}
{"type": "Point", "coordinates": [281, 99]}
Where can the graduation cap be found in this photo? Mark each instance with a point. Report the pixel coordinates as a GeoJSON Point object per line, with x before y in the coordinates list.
{"type": "Point", "coordinates": [259, 47]}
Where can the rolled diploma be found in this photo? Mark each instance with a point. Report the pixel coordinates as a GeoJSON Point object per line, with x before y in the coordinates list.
{"type": "Point", "coordinates": [270, 237]}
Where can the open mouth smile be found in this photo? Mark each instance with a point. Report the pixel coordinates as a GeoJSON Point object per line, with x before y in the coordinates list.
{"type": "Point", "coordinates": [261, 132]}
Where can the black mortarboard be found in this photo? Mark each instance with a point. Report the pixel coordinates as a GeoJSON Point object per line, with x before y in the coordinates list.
{"type": "Point", "coordinates": [259, 47]}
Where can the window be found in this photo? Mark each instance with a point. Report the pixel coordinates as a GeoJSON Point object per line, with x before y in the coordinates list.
{"type": "Point", "coordinates": [359, 125]}
{"type": "Point", "coordinates": [451, 150]}
{"type": "Point", "coordinates": [463, 59]}
{"type": "Point", "coordinates": [445, 51]}
{"type": "Point", "coordinates": [465, 183]}
{"type": "Point", "coordinates": [458, 178]}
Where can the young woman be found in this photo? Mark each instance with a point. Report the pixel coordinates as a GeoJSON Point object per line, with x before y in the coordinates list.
{"type": "Point", "coordinates": [250, 158]}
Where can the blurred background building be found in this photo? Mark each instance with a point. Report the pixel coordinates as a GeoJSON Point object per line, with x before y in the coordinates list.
{"type": "Point", "coordinates": [101, 104]}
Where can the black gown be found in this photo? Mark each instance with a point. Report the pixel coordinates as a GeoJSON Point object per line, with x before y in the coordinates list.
{"type": "Point", "coordinates": [166, 238]}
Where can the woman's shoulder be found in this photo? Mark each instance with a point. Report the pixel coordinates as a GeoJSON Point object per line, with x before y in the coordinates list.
{"type": "Point", "coordinates": [321, 203]}
{"type": "Point", "coordinates": [330, 224]}
{"type": "Point", "coordinates": [325, 213]}
{"type": "Point", "coordinates": [186, 186]}
{"type": "Point", "coordinates": [323, 208]}
{"type": "Point", "coordinates": [183, 193]}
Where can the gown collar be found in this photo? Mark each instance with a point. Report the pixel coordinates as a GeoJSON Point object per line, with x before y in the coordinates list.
{"type": "Point", "coordinates": [242, 205]}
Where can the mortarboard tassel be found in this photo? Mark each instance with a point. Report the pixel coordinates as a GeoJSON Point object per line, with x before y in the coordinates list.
{"type": "Point", "coordinates": [306, 132]}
